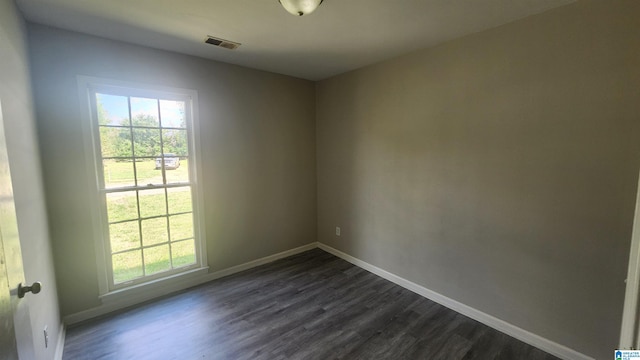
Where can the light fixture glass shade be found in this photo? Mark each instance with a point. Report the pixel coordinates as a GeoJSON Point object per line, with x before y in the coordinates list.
{"type": "Point", "coordinates": [300, 7]}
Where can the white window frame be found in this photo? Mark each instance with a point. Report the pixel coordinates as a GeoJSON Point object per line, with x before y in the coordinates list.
{"type": "Point", "coordinates": [87, 87]}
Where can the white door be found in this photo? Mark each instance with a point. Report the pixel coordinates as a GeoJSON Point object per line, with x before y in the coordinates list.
{"type": "Point", "coordinates": [7, 335]}
{"type": "Point", "coordinates": [16, 339]}
{"type": "Point", "coordinates": [630, 334]}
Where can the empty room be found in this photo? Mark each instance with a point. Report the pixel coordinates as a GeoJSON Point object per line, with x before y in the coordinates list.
{"type": "Point", "coordinates": [308, 179]}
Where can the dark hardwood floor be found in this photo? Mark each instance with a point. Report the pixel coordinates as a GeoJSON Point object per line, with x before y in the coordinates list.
{"type": "Point", "coordinates": [308, 306]}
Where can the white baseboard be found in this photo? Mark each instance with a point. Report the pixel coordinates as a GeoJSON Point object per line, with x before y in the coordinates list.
{"type": "Point", "coordinates": [261, 261]}
{"type": "Point", "coordinates": [117, 302]}
{"type": "Point", "coordinates": [544, 344]}
{"type": "Point", "coordinates": [62, 334]}
{"type": "Point", "coordinates": [541, 343]}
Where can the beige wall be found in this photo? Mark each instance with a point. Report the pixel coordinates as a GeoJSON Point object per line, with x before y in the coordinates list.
{"type": "Point", "coordinates": [258, 151]}
{"type": "Point", "coordinates": [24, 160]}
{"type": "Point", "coordinates": [499, 169]}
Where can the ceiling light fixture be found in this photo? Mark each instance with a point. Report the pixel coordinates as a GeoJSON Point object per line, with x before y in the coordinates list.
{"type": "Point", "coordinates": [300, 7]}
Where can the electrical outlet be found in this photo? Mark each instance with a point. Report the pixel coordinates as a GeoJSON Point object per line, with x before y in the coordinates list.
{"type": "Point", "coordinates": [337, 231]}
{"type": "Point", "coordinates": [46, 337]}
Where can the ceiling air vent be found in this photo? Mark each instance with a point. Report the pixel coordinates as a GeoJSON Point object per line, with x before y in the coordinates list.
{"type": "Point", "coordinates": [227, 44]}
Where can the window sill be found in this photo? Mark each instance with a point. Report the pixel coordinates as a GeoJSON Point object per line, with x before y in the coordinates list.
{"type": "Point", "coordinates": [156, 288]}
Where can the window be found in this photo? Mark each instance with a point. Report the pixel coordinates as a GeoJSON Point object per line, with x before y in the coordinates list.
{"type": "Point", "coordinates": [145, 164]}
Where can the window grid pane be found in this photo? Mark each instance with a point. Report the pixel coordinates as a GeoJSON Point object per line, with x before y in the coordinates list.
{"type": "Point", "coordinates": [140, 191]}
{"type": "Point", "coordinates": [127, 266]}
{"type": "Point", "coordinates": [156, 259]}
{"type": "Point", "coordinates": [181, 226]}
{"type": "Point", "coordinates": [183, 253]}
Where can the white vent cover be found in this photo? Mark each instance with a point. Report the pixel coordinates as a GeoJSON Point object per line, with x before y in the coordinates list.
{"type": "Point", "coordinates": [227, 44]}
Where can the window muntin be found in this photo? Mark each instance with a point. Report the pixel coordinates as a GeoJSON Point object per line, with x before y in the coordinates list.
{"type": "Point", "coordinates": [148, 210]}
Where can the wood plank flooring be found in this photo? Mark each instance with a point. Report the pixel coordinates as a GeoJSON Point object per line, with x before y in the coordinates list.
{"type": "Point", "coordinates": [308, 306]}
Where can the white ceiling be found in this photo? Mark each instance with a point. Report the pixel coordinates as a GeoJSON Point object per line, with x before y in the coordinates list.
{"type": "Point", "coordinates": [341, 35]}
